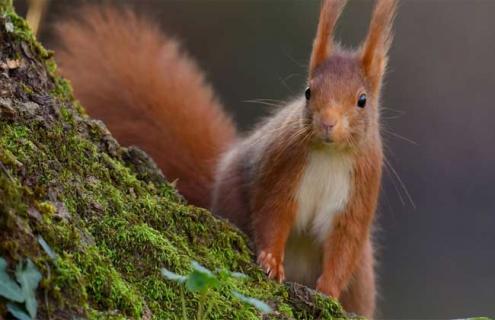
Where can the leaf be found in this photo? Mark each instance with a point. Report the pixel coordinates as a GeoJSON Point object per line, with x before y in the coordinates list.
{"type": "Point", "coordinates": [239, 275]}
{"type": "Point", "coordinates": [196, 266]}
{"type": "Point", "coordinates": [13, 63]}
{"type": "Point", "coordinates": [173, 276]}
{"type": "Point", "coordinates": [200, 279]}
{"type": "Point", "coordinates": [8, 287]}
{"type": "Point", "coordinates": [29, 277]}
{"type": "Point", "coordinates": [258, 304]}
{"type": "Point", "coordinates": [9, 26]}
{"type": "Point", "coordinates": [47, 248]}
{"type": "Point", "coordinates": [17, 312]}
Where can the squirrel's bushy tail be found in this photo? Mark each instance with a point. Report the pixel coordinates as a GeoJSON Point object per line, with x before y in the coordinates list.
{"type": "Point", "coordinates": [149, 93]}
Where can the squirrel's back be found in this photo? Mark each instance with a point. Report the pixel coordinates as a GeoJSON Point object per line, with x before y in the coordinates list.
{"type": "Point", "coordinates": [149, 93]}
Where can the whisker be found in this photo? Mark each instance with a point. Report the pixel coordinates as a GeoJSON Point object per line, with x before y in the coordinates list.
{"type": "Point", "coordinates": [402, 184]}
{"type": "Point", "coordinates": [391, 117]}
{"type": "Point", "coordinates": [270, 104]}
{"type": "Point", "coordinates": [299, 64]}
{"type": "Point", "coordinates": [286, 78]}
{"type": "Point", "coordinates": [396, 188]}
{"type": "Point", "coordinates": [402, 112]}
{"type": "Point", "coordinates": [399, 136]}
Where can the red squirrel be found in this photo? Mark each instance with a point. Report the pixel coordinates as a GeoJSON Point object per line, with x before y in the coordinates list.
{"type": "Point", "coordinates": [303, 185]}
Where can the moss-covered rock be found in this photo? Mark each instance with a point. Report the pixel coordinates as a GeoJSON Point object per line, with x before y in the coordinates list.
{"type": "Point", "coordinates": [106, 211]}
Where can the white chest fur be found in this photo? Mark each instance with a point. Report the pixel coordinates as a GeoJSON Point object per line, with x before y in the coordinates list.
{"type": "Point", "coordinates": [323, 192]}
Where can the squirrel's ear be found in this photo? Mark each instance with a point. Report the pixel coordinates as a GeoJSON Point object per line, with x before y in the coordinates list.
{"type": "Point", "coordinates": [323, 43]}
{"type": "Point", "coordinates": [375, 49]}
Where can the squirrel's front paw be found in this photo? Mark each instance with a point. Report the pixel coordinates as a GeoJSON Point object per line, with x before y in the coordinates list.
{"type": "Point", "coordinates": [272, 265]}
{"type": "Point", "coordinates": [324, 285]}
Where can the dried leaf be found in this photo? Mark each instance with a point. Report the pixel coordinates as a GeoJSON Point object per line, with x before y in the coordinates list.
{"type": "Point", "coordinates": [13, 64]}
{"type": "Point", "coordinates": [34, 213]}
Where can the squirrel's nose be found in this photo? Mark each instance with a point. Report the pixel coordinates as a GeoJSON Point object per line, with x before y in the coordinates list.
{"type": "Point", "coordinates": [327, 126]}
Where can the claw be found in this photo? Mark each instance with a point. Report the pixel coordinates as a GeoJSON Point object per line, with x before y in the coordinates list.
{"type": "Point", "coordinates": [272, 265]}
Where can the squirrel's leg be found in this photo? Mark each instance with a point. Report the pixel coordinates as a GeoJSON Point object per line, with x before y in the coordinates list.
{"type": "Point", "coordinates": [342, 251]}
{"type": "Point", "coordinates": [274, 207]}
{"type": "Point", "coordinates": [360, 295]}
{"type": "Point", "coordinates": [272, 225]}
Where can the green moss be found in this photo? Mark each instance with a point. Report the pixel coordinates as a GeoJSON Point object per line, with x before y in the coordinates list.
{"type": "Point", "coordinates": [20, 29]}
{"type": "Point", "coordinates": [27, 89]}
{"type": "Point", "coordinates": [46, 208]}
{"type": "Point", "coordinates": [111, 229]}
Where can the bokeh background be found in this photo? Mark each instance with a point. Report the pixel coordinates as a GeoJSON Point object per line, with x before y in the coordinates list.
{"type": "Point", "coordinates": [436, 223]}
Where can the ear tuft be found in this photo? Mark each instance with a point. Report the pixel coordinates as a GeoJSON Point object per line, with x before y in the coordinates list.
{"type": "Point", "coordinates": [378, 41]}
{"type": "Point", "coordinates": [323, 43]}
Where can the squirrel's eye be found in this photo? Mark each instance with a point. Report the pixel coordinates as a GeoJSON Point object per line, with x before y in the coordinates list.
{"type": "Point", "coordinates": [362, 101]}
{"type": "Point", "coordinates": [307, 93]}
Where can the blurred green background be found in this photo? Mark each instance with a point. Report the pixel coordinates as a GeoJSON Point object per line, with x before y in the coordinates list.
{"type": "Point", "coordinates": [436, 257]}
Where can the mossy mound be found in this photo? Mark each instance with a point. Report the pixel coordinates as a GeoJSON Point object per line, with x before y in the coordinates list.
{"type": "Point", "coordinates": [106, 211]}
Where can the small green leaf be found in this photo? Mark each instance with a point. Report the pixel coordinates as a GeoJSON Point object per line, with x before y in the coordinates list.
{"type": "Point", "coordinates": [29, 277]}
{"type": "Point", "coordinates": [47, 248]}
{"type": "Point", "coordinates": [173, 276]}
{"type": "Point", "coordinates": [258, 304]}
{"type": "Point", "coordinates": [17, 312]}
{"type": "Point", "coordinates": [200, 281]}
{"type": "Point", "coordinates": [8, 287]}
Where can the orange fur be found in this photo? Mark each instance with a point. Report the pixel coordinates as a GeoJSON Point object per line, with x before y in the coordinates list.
{"type": "Point", "coordinates": [322, 45]}
{"type": "Point", "coordinates": [360, 294]}
{"type": "Point", "coordinates": [272, 203]}
{"type": "Point", "coordinates": [148, 92]}
{"type": "Point", "coordinates": [377, 44]}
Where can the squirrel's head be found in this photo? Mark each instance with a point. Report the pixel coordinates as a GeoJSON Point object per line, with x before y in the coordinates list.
{"type": "Point", "coordinates": [344, 87]}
